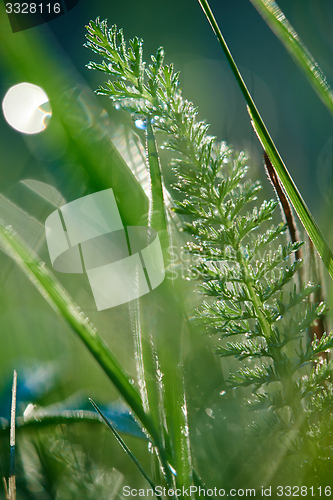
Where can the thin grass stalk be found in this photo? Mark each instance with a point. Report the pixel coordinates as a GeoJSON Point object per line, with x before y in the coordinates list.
{"type": "Point", "coordinates": [125, 447]}
{"type": "Point", "coordinates": [12, 480]}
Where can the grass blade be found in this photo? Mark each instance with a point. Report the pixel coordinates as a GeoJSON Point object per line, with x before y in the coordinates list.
{"type": "Point", "coordinates": [30, 56]}
{"type": "Point", "coordinates": [58, 298]}
{"type": "Point", "coordinates": [269, 147]}
{"type": "Point", "coordinates": [12, 482]}
{"type": "Point", "coordinates": [278, 23]}
{"type": "Point", "coordinates": [5, 488]}
{"type": "Point", "coordinates": [294, 195]}
{"type": "Point", "coordinates": [125, 448]}
{"type": "Point", "coordinates": [172, 399]}
{"type": "Point", "coordinates": [157, 217]}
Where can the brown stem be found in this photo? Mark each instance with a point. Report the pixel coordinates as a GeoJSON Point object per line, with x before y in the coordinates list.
{"type": "Point", "coordinates": [285, 207]}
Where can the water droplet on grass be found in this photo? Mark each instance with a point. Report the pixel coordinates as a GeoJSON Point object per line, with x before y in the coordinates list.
{"type": "Point", "coordinates": [150, 447]}
{"type": "Point", "coordinates": [185, 431]}
{"type": "Point", "coordinates": [173, 470]}
{"type": "Point", "coordinates": [141, 124]}
{"type": "Point", "coordinates": [209, 412]}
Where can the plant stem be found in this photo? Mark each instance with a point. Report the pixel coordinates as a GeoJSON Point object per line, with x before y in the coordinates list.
{"type": "Point", "coordinates": [157, 218]}
{"type": "Point", "coordinates": [264, 324]}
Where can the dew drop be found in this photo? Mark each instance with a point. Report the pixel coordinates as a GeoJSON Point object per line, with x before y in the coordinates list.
{"type": "Point", "coordinates": [209, 412]}
{"type": "Point", "coordinates": [159, 375]}
{"type": "Point", "coordinates": [141, 124]}
{"type": "Point", "coordinates": [185, 431]}
{"type": "Point", "coordinates": [141, 383]}
{"type": "Point", "coordinates": [173, 471]}
{"type": "Point", "coordinates": [150, 447]}
{"type": "Point", "coordinates": [28, 411]}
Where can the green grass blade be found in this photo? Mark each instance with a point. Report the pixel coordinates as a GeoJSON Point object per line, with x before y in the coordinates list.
{"type": "Point", "coordinates": [278, 23]}
{"type": "Point", "coordinates": [289, 186]}
{"type": "Point", "coordinates": [125, 448]}
{"type": "Point", "coordinates": [170, 405]}
{"type": "Point", "coordinates": [294, 195]}
{"type": "Point", "coordinates": [142, 322]}
{"type": "Point", "coordinates": [45, 418]}
{"type": "Point", "coordinates": [156, 208]}
{"type": "Point", "coordinates": [62, 303]}
{"type": "Point", "coordinates": [12, 478]}
{"type": "Point", "coordinates": [174, 393]}
{"type": "Point", "coordinates": [180, 431]}
{"type": "Point", "coordinates": [171, 331]}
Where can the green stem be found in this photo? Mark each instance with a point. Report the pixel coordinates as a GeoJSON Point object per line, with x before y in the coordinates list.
{"type": "Point", "coordinates": [157, 218]}
{"type": "Point", "coordinates": [147, 372]}
{"type": "Point", "coordinates": [264, 324]}
{"type": "Point", "coordinates": [170, 324]}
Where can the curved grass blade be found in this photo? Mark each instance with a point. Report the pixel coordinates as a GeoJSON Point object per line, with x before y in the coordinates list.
{"type": "Point", "coordinates": [289, 186]}
{"type": "Point", "coordinates": [278, 23]}
{"type": "Point", "coordinates": [125, 448]}
{"type": "Point", "coordinates": [62, 303]}
{"type": "Point", "coordinates": [45, 417]}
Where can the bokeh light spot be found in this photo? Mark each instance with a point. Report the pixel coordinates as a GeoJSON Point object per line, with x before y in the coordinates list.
{"type": "Point", "coordinates": [26, 108]}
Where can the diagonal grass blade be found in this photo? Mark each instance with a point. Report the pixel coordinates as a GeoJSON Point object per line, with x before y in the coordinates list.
{"type": "Point", "coordinates": [289, 186]}
{"type": "Point", "coordinates": [62, 303]}
{"type": "Point", "coordinates": [125, 448]}
{"type": "Point", "coordinates": [278, 23]}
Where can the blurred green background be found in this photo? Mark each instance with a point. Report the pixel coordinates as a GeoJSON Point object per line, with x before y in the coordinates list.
{"type": "Point", "coordinates": [72, 156]}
